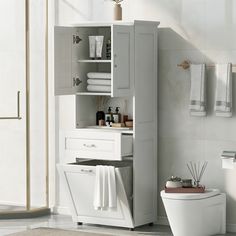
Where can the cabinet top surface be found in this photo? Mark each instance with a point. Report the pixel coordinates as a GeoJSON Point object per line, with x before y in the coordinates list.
{"type": "Point", "coordinates": [107, 129]}
{"type": "Point", "coordinates": [109, 24]}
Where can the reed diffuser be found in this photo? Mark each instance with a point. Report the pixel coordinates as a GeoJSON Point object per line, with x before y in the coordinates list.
{"type": "Point", "coordinates": [197, 170]}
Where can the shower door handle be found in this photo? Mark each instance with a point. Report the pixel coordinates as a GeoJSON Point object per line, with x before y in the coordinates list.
{"type": "Point", "coordinates": [17, 117]}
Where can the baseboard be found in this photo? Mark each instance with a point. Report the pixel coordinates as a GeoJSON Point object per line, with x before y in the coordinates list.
{"type": "Point", "coordinates": [162, 220]}
{"type": "Point", "coordinates": [231, 228]}
{"type": "Point", "coordinates": [61, 210]}
{"type": "Point", "coordinates": [12, 203]}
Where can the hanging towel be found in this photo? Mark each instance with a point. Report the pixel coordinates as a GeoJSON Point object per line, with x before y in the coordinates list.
{"type": "Point", "coordinates": [99, 88]}
{"type": "Point", "coordinates": [105, 196]}
{"type": "Point", "coordinates": [99, 81]}
{"type": "Point", "coordinates": [197, 105]}
{"type": "Point", "coordinates": [223, 99]}
{"type": "Point", "coordinates": [99, 75]}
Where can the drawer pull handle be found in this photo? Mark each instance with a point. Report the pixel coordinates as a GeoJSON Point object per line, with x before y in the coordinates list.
{"type": "Point", "coordinates": [89, 145]}
{"type": "Point", "coordinates": [86, 171]}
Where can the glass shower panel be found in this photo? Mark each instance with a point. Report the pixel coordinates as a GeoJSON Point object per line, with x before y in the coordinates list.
{"type": "Point", "coordinates": [38, 171]}
{"type": "Point", "coordinates": [12, 130]}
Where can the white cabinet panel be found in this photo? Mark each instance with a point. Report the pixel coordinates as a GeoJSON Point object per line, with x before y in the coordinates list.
{"type": "Point", "coordinates": [145, 144]}
{"type": "Point", "coordinates": [123, 60]}
{"type": "Point", "coordinates": [65, 69]}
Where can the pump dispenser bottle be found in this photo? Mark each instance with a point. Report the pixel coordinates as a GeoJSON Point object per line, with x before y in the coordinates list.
{"type": "Point", "coordinates": [117, 116]}
{"type": "Point", "coordinates": [109, 114]}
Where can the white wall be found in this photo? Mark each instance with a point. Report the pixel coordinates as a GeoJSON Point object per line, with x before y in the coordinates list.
{"type": "Point", "coordinates": [198, 30]}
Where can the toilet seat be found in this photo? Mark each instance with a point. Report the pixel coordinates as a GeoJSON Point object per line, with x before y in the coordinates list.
{"type": "Point", "coordinates": [190, 196]}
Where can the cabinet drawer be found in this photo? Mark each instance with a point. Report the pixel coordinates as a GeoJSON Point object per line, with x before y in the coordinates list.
{"type": "Point", "coordinates": [98, 145]}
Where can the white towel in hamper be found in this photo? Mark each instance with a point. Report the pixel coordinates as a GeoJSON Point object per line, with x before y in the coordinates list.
{"type": "Point", "coordinates": [99, 75]}
{"type": "Point", "coordinates": [105, 195]}
{"type": "Point", "coordinates": [197, 104]}
{"type": "Point", "coordinates": [99, 81]}
{"type": "Point", "coordinates": [99, 88]}
{"type": "Point", "coordinates": [223, 98]}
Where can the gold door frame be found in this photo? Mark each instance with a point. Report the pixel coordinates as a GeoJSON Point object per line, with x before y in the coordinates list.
{"type": "Point", "coordinates": [42, 210]}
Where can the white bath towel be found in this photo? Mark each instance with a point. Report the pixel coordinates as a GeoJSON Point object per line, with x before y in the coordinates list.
{"type": "Point", "coordinates": [198, 90]}
{"type": "Point", "coordinates": [105, 195]}
{"type": "Point", "coordinates": [99, 81]}
{"type": "Point", "coordinates": [223, 98]}
{"type": "Point", "coordinates": [99, 88]}
{"type": "Point", "coordinates": [99, 75]}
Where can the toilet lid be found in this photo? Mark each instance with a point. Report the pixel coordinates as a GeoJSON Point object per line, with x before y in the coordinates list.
{"type": "Point", "coordinates": [190, 196]}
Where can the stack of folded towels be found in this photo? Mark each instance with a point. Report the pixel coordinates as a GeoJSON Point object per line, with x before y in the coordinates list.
{"type": "Point", "coordinates": [99, 82]}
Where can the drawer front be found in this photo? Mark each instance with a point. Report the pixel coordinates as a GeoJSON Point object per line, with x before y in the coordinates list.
{"type": "Point", "coordinates": [96, 145]}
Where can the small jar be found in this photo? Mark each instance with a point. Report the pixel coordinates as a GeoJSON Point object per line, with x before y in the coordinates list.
{"type": "Point", "coordinates": [187, 183]}
{"type": "Point", "coordinates": [174, 182]}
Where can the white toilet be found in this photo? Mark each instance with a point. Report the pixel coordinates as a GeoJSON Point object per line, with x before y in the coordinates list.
{"type": "Point", "coordinates": [196, 214]}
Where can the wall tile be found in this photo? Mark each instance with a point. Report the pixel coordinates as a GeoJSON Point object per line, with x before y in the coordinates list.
{"type": "Point", "coordinates": [221, 25]}
{"type": "Point", "coordinates": [174, 92]}
{"type": "Point", "coordinates": [193, 20]}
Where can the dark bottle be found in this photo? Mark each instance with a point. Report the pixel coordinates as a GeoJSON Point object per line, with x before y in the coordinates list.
{"type": "Point", "coordinates": [109, 114]}
{"type": "Point", "coordinates": [108, 49]}
{"type": "Point", "coordinates": [117, 116]}
{"type": "Point", "coordinates": [108, 121]}
{"type": "Point", "coordinates": [100, 115]}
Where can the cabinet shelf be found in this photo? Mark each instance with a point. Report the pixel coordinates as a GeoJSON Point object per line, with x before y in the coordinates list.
{"type": "Point", "coordinates": [94, 61]}
{"type": "Point", "coordinates": [93, 93]}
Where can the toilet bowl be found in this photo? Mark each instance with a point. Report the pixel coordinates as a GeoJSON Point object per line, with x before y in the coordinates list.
{"type": "Point", "coordinates": [196, 214]}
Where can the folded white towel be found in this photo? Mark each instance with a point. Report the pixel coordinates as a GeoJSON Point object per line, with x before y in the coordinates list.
{"type": "Point", "coordinates": [99, 75]}
{"type": "Point", "coordinates": [223, 98]}
{"type": "Point", "coordinates": [105, 195]}
{"type": "Point", "coordinates": [198, 90]}
{"type": "Point", "coordinates": [99, 81]}
{"type": "Point", "coordinates": [99, 88]}
{"type": "Point", "coordinates": [228, 154]}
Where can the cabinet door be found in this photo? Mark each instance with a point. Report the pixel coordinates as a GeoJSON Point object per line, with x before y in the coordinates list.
{"type": "Point", "coordinates": [123, 61]}
{"type": "Point", "coordinates": [64, 60]}
{"type": "Point", "coordinates": [145, 144]}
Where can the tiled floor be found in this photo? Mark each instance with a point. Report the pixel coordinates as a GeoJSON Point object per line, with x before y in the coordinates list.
{"type": "Point", "coordinates": [65, 222]}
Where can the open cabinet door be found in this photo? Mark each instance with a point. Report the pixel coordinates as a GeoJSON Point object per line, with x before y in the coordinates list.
{"type": "Point", "coordinates": [123, 61]}
{"type": "Point", "coordinates": [64, 61]}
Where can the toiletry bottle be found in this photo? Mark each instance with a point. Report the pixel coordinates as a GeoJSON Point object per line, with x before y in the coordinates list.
{"type": "Point", "coordinates": [108, 121]}
{"type": "Point", "coordinates": [109, 114]}
{"type": "Point", "coordinates": [99, 45]}
{"type": "Point", "coordinates": [108, 49]}
{"type": "Point", "coordinates": [117, 116]}
{"type": "Point", "coordinates": [100, 115]}
{"type": "Point", "coordinates": [112, 121]}
{"type": "Point", "coordinates": [92, 46]}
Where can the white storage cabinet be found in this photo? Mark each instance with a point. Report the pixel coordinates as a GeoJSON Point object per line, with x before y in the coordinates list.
{"type": "Point", "coordinates": [133, 68]}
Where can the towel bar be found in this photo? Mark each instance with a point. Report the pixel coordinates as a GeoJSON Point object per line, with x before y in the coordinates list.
{"type": "Point", "coordinates": [186, 64]}
{"type": "Point", "coordinates": [18, 117]}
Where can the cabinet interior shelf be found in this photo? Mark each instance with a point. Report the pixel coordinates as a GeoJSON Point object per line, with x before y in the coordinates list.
{"type": "Point", "coordinates": [94, 61]}
{"type": "Point", "coordinates": [93, 93]}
